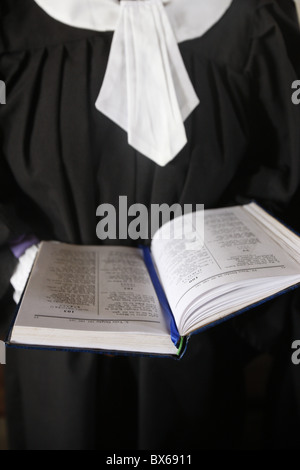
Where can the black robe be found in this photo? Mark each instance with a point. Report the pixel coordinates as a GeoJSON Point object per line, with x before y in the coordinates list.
{"type": "Point", "coordinates": [60, 158]}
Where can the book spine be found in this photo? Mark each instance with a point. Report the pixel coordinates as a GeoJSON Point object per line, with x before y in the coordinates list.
{"type": "Point", "coordinates": [175, 336]}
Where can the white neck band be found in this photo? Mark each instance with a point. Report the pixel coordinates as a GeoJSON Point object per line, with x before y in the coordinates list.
{"type": "Point", "coordinates": [146, 89]}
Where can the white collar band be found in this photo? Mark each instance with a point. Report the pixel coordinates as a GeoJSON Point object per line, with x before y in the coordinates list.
{"type": "Point", "coordinates": [155, 95]}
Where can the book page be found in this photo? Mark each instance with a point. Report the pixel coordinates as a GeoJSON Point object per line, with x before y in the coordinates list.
{"type": "Point", "coordinates": [91, 289]}
{"type": "Point", "coordinates": [235, 249]}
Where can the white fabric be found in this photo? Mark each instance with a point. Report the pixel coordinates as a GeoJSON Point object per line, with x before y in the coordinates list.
{"type": "Point", "coordinates": [22, 272]}
{"type": "Point", "coordinates": [146, 90]}
{"type": "Point", "coordinates": [297, 2]}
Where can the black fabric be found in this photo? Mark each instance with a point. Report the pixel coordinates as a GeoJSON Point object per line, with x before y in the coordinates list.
{"type": "Point", "coordinates": [290, 10]}
{"type": "Point", "coordinates": [62, 401]}
{"type": "Point", "coordinates": [63, 158]}
{"type": "Point", "coordinates": [67, 158]}
{"type": "Point", "coordinates": [283, 411]}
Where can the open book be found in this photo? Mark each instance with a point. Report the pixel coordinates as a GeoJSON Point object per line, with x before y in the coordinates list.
{"type": "Point", "coordinates": [149, 301]}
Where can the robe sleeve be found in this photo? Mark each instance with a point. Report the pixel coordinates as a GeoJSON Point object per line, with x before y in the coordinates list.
{"type": "Point", "coordinates": [273, 168]}
{"type": "Point", "coordinates": [12, 225]}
